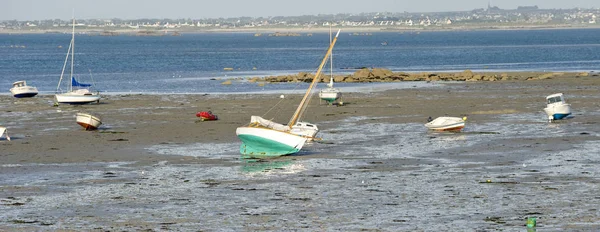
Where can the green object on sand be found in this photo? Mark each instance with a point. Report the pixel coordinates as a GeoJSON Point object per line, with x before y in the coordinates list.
{"type": "Point", "coordinates": [531, 222]}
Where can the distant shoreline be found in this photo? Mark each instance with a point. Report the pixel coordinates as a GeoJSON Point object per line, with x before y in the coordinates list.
{"type": "Point", "coordinates": [170, 31]}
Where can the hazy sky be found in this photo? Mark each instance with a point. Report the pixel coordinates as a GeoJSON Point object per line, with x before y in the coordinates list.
{"type": "Point", "coordinates": [198, 9]}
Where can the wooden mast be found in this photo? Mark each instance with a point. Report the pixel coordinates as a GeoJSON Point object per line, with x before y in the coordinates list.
{"type": "Point", "coordinates": [301, 107]}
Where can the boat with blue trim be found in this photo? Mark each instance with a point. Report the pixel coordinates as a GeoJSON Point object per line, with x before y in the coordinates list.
{"type": "Point", "coordinates": [557, 108]}
{"type": "Point", "coordinates": [20, 89]}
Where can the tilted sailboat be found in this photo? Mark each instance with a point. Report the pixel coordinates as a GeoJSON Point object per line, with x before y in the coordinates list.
{"type": "Point", "coordinates": [265, 138]}
{"type": "Point", "coordinates": [77, 93]}
{"type": "Point", "coordinates": [330, 94]}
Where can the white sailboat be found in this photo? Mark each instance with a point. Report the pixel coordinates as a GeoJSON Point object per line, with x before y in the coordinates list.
{"type": "Point", "coordinates": [77, 93]}
{"type": "Point", "coordinates": [330, 94]}
{"type": "Point", "coordinates": [265, 138]}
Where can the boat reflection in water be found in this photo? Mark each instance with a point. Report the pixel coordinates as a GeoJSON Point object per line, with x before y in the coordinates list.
{"type": "Point", "coordinates": [267, 167]}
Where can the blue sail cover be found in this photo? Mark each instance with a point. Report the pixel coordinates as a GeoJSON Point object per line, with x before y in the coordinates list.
{"type": "Point", "coordinates": [74, 83]}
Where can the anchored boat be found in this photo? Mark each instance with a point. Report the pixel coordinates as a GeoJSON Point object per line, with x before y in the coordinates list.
{"type": "Point", "coordinates": [3, 131]}
{"type": "Point", "coordinates": [557, 108]}
{"type": "Point", "coordinates": [330, 94]}
{"type": "Point", "coordinates": [77, 93]}
{"type": "Point", "coordinates": [265, 138]}
{"type": "Point", "coordinates": [20, 89]}
{"type": "Point", "coordinates": [447, 124]}
{"type": "Point", "coordinates": [88, 121]}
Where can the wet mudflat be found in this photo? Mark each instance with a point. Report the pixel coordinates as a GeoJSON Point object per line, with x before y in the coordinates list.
{"type": "Point", "coordinates": [374, 170]}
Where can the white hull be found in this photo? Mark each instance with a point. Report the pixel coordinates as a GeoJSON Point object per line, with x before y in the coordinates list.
{"type": "Point", "coordinates": [446, 124]}
{"type": "Point", "coordinates": [74, 98]}
{"type": "Point", "coordinates": [77, 93]}
{"type": "Point", "coordinates": [558, 110]}
{"type": "Point", "coordinates": [25, 91]}
{"type": "Point", "coordinates": [3, 131]}
{"type": "Point", "coordinates": [21, 89]}
{"type": "Point", "coordinates": [260, 141]}
{"type": "Point", "coordinates": [330, 94]}
{"type": "Point", "coordinates": [87, 121]}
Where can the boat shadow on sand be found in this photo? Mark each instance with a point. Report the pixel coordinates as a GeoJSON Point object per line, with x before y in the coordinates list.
{"type": "Point", "coordinates": [450, 133]}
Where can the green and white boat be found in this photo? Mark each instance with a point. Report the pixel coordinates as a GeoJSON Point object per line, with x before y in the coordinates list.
{"type": "Point", "coordinates": [330, 94]}
{"type": "Point", "coordinates": [265, 138]}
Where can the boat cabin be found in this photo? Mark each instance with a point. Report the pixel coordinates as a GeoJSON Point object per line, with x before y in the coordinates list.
{"type": "Point", "coordinates": [305, 125]}
{"type": "Point", "coordinates": [555, 98]}
{"type": "Point", "coordinates": [19, 84]}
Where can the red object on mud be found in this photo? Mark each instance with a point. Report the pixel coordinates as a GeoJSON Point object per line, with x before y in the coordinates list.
{"type": "Point", "coordinates": [206, 116]}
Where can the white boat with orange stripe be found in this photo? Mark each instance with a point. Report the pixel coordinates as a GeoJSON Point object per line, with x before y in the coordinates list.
{"type": "Point", "coordinates": [88, 121]}
{"type": "Point", "coordinates": [265, 138]}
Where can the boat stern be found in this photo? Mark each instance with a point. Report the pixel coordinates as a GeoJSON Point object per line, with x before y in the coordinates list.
{"type": "Point", "coordinates": [557, 111]}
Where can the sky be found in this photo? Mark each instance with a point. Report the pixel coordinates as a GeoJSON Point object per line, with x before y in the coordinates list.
{"type": "Point", "coordinates": [201, 9]}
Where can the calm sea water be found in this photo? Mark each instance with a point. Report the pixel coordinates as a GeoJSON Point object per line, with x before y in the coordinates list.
{"type": "Point", "coordinates": [185, 64]}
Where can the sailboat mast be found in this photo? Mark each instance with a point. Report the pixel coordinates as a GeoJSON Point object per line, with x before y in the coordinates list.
{"type": "Point", "coordinates": [63, 69]}
{"type": "Point", "coordinates": [300, 108]}
{"type": "Point", "coordinates": [72, 55]}
{"type": "Point", "coordinates": [330, 57]}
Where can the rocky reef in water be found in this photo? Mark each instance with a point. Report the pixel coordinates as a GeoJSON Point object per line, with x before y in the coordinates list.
{"type": "Point", "coordinates": [386, 75]}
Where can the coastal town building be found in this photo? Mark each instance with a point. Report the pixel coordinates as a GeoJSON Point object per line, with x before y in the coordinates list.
{"type": "Point", "coordinates": [490, 17]}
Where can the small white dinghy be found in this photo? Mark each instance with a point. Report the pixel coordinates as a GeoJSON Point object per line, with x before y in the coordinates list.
{"type": "Point", "coordinates": [4, 131]}
{"type": "Point", "coordinates": [88, 121]}
{"type": "Point", "coordinates": [447, 124]}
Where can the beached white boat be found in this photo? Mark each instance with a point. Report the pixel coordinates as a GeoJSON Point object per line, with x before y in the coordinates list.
{"type": "Point", "coordinates": [447, 124]}
{"type": "Point", "coordinates": [76, 93]}
{"type": "Point", "coordinates": [88, 121]}
{"type": "Point", "coordinates": [265, 138]}
{"type": "Point", "coordinates": [557, 108]}
{"type": "Point", "coordinates": [20, 89]}
{"type": "Point", "coordinates": [3, 131]}
{"type": "Point", "coordinates": [330, 94]}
